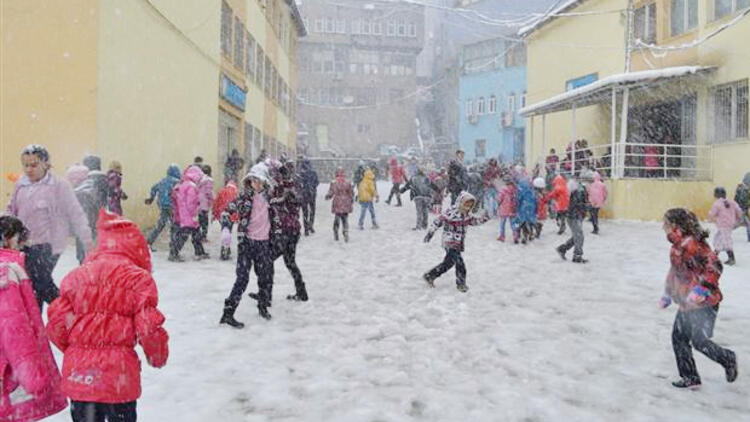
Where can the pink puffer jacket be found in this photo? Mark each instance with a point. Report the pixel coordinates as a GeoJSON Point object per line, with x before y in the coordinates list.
{"type": "Point", "coordinates": [188, 198]}
{"type": "Point", "coordinates": [29, 378]}
{"type": "Point", "coordinates": [206, 190]}
{"type": "Point", "coordinates": [597, 192]}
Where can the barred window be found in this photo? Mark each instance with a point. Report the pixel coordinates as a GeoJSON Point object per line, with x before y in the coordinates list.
{"type": "Point", "coordinates": [730, 112]}
{"type": "Point", "coordinates": [480, 106]}
{"type": "Point", "coordinates": [727, 7]}
{"type": "Point", "coordinates": [239, 43]}
{"type": "Point", "coordinates": [645, 23]}
{"type": "Point", "coordinates": [226, 29]}
{"type": "Point", "coordinates": [260, 60]}
{"type": "Point", "coordinates": [250, 58]}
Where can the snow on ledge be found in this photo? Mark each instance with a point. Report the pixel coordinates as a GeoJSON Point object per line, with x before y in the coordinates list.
{"type": "Point", "coordinates": [525, 30]}
{"type": "Point", "coordinates": [618, 79]}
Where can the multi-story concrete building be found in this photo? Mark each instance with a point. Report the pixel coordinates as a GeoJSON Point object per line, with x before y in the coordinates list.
{"type": "Point", "coordinates": [492, 88]}
{"type": "Point", "coordinates": [660, 93]}
{"type": "Point", "coordinates": [146, 82]}
{"type": "Point", "coordinates": [357, 72]}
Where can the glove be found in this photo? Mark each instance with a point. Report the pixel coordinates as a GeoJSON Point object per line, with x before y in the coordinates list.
{"type": "Point", "coordinates": [149, 201]}
{"type": "Point", "coordinates": [664, 302]}
{"type": "Point", "coordinates": [698, 295]}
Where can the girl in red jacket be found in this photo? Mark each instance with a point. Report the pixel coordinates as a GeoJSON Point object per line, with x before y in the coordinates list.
{"type": "Point", "coordinates": [693, 283]}
{"type": "Point", "coordinates": [29, 378]}
{"type": "Point", "coordinates": [106, 307]}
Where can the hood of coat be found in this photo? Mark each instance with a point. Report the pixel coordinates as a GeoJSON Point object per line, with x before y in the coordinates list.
{"type": "Point", "coordinates": [77, 174]}
{"type": "Point", "coordinates": [465, 197]}
{"type": "Point", "coordinates": [193, 174]}
{"type": "Point", "coordinates": [120, 236]}
{"type": "Point", "coordinates": [369, 175]}
{"type": "Point", "coordinates": [597, 177]}
{"type": "Point", "coordinates": [173, 171]}
{"type": "Point", "coordinates": [559, 181]}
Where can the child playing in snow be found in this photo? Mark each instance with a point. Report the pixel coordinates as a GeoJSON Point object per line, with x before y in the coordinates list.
{"type": "Point", "coordinates": [742, 198]}
{"type": "Point", "coordinates": [29, 380]}
{"type": "Point", "coordinates": [106, 307]}
{"type": "Point", "coordinates": [206, 201]}
{"type": "Point", "coordinates": [224, 211]}
{"type": "Point", "coordinates": [693, 283]}
{"type": "Point", "coordinates": [163, 191]}
{"type": "Point", "coordinates": [187, 206]}
{"type": "Point", "coordinates": [541, 208]}
{"type": "Point", "coordinates": [506, 208]}
{"type": "Point", "coordinates": [597, 192]}
{"type": "Point", "coordinates": [367, 191]}
{"type": "Point", "coordinates": [577, 205]}
{"type": "Point", "coordinates": [342, 194]}
{"type": "Point", "coordinates": [115, 195]}
{"type": "Point", "coordinates": [526, 210]}
{"type": "Point", "coordinates": [455, 219]}
{"type": "Point", "coordinates": [726, 214]}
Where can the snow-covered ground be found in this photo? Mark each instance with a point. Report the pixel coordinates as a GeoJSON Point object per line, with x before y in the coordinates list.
{"type": "Point", "coordinates": [535, 339]}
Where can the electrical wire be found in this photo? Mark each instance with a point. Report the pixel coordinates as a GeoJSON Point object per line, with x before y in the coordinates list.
{"type": "Point", "coordinates": [696, 42]}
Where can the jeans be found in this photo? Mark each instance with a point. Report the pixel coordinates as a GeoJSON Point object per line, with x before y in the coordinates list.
{"type": "Point", "coordinates": [286, 245]}
{"type": "Point", "coordinates": [252, 252]}
{"type": "Point", "coordinates": [40, 262]}
{"type": "Point", "coordinates": [165, 218]}
{"type": "Point", "coordinates": [308, 215]}
{"type": "Point", "coordinates": [395, 190]}
{"type": "Point", "coordinates": [99, 412]}
{"type": "Point", "coordinates": [366, 206]}
{"type": "Point", "coordinates": [695, 327]}
{"type": "Point", "coordinates": [343, 220]}
{"type": "Point", "coordinates": [510, 223]}
{"type": "Point", "coordinates": [423, 210]}
{"type": "Point", "coordinates": [576, 240]}
{"type": "Point", "coordinates": [594, 212]}
{"type": "Point", "coordinates": [452, 257]}
{"type": "Point", "coordinates": [490, 201]}
{"type": "Point", "coordinates": [181, 237]}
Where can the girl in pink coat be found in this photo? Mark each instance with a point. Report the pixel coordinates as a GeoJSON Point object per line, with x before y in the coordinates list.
{"type": "Point", "coordinates": [206, 191]}
{"type": "Point", "coordinates": [506, 209]}
{"type": "Point", "coordinates": [29, 378]}
{"type": "Point", "coordinates": [726, 214]}
{"type": "Point", "coordinates": [187, 207]}
{"type": "Point", "coordinates": [597, 197]}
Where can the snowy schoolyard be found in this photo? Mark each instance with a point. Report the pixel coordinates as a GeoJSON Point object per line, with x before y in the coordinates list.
{"type": "Point", "coordinates": [535, 338]}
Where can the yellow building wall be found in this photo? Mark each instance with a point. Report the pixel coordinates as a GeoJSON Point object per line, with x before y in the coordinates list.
{"type": "Point", "coordinates": [158, 90]}
{"type": "Point", "coordinates": [643, 199]}
{"type": "Point", "coordinates": [564, 49]}
{"type": "Point", "coordinates": [48, 82]}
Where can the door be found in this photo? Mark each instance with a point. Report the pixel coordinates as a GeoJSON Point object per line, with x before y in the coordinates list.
{"type": "Point", "coordinates": [229, 130]}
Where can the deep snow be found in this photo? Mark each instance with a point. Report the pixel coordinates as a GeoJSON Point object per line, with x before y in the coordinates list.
{"type": "Point", "coordinates": [535, 339]}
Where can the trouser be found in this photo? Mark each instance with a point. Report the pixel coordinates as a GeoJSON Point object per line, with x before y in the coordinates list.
{"type": "Point", "coordinates": [40, 262]}
{"type": "Point", "coordinates": [423, 209]}
{"type": "Point", "coordinates": [594, 212]}
{"type": "Point", "coordinates": [252, 252]}
{"type": "Point", "coordinates": [100, 412]}
{"type": "Point", "coordinates": [365, 207]}
{"type": "Point", "coordinates": [395, 190]}
{"type": "Point", "coordinates": [181, 237]}
{"type": "Point", "coordinates": [286, 245]}
{"type": "Point", "coordinates": [452, 257]}
{"type": "Point", "coordinates": [343, 220]}
{"type": "Point", "coordinates": [203, 225]}
{"type": "Point", "coordinates": [513, 227]}
{"type": "Point", "coordinates": [746, 221]}
{"type": "Point", "coordinates": [165, 218]}
{"type": "Point", "coordinates": [576, 240]}
{"type": "Point", "coordinates": [538, 228]}
{"type": "Point", "coordinates": [308, 215]}
{"type": "Point", "coordinates": [695, 327]}
{"type": "Point", "coordinates": [560, 217]}
{"type": "Point", "coordinates": [490, 201]}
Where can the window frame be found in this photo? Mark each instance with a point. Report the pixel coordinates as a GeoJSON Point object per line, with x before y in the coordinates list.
{"type": "Point", "coordinates": [492, 104]}
{"type": "Point", "coordinates": [685, 25]}
{"type": "Point", "coordinates": [227, 31]}
{"type": "Point", "coordinates": [647, 33]}
{"type": "Point", "coordinates": [733, 133]}
{"type": "Point", "coordinates": [481, 106]}
{"type": "Point", "coordinates": [469, 107]}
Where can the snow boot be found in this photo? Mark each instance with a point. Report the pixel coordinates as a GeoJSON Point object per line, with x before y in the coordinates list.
{"type": "Point", "coordinates": [225, 254]}
{"type": "Point", "coordinates": [336, 235]}
{"type": "Point", "coordinates": [263, 312]}
{"type": "Point", "coordinates": [731, 368]}
{"type": "Point", "coordinates": [579, 260]}
{"type": "Point", "coordinates": [255, 297]}
{"type": "Point", "coordinates": [175, 258]}
{"type": "Point", "coordinates": [688, 382]}
{"type": "Point", "coordinates": [300, 296]}
{"type": "Point", "coordinates": [228, 316]}
{"type": "Point", "coordinates": [462, 287]}
{"type": "Point", "coordinates": [501, 238]}
{"type": "Point", "coordinates": [202, 256]}
{"type": "Point", "coordinates": [731, 260]}
{"type": "Point", "coordinates": [429, 281]}
{"type": "Point", "coordinates": [346, 237]}
{"type": "Point", "coordinates": [561, 252]}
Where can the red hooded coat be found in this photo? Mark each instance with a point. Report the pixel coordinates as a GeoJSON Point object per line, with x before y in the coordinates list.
{"type": "Point", "coordinates": [106, 307]}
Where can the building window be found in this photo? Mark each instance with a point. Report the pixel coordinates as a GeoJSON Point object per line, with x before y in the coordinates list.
{"type": "Point", "coordinates": [412, 30]}
{"type": "Point", "coordinates": [480, 148]}
{"type": "Point", "coordinates": [328, 66]}
{"type": "Point", "coordinates": [684, 16]}
{"type": "Point", "coordinates": [469, 108]}
{"type": "Point", "coordinates": [267, 76]}
{"type": "Point", "coordinates": [512, 103]}
{"type": "Point", "coordinates": [352, 68]}
{"type": "Point", "coordinates": [226, 29]}
{"type": "Point", "coordinates": [492, 105]}
{"type": "Point", "coordinates": [401, 28]}
{"type": "Point", "coordinates": [239, 44]}
{"type": "Point", "coordinates": [377, 28]}
{"type": "Point", "coordinates": [727, 7]}
{"type": "Point", "coordinates": [259, 66]}
{"type": "Point", "coordinates": [340, 26]}
{"type": "Point", "coordinates": [250, 58]}
{"type": "Point", "coordinates": [366, 26]}
{"type": "Point", "coordinates": [480, 106]}
{"type": "Point", "coordinates": [330, 26]}
{"type": "Point", "coordinates": [645, 23]}
{"type": "Point", "coordinates": [319, 25]}
{"type": "Point", "coordinates": [391, 29]}
{"type": "Point", "coordinates": [523, 99]}
{"type": "Point", "coordinates": [730, 111]}
{"type": "Point", "coordinates": [357, 26]}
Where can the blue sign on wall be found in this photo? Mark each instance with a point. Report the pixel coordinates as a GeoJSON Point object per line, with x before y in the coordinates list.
{"type": "Point", "coordinates": [231, 92]}
{"type": "Point", "coordinates": [581, 81]}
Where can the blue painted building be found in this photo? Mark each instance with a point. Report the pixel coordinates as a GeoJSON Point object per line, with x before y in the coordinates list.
{"type": "Point", "coordinates": [492, 88]}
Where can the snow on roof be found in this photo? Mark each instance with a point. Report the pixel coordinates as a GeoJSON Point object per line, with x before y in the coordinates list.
{"type": "Point", "coordinates": [536, 24]}
{"type": "Point", "coordinates": [606, 83]}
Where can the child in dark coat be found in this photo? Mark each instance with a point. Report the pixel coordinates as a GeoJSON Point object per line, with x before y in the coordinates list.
{"type": "Point", "coordinates": [454, 220]}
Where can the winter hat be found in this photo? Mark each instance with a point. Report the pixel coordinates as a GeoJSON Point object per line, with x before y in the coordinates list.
{"type": "Point", "coordinates": [38, 150]}
{"type": "Point", "coordinates": [92, 162]}
{"type": "Point", "coordinates": [76, 174]}
{"type": "Point", "coordinates": [116, 166]}
{"type": "Point", "coordinates": [258, 171]}
{"type": "Point", "coordinates": [539, 183]}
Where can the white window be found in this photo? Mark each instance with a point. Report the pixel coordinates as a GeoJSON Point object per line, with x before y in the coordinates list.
{"type": "Point", "coordinates": [730, 112]}
{"type": "Point", "coordinates": [377, 28]}
{"type": "Point", "coordinates": [512, 103]}
{"type": "Point", "coordinates": [469, 108]}
{"type": "Point", "coordinates": [391, 31]}
{"type": "Point", "coordinates": [250, 57]}
{"type": "Point", "coordinates": [340, 26]}
{"type": "Point", "coordinates": [319, 25]}
{"type": "Point", "coordinates": [356, 26]}
{"type": "Point", "coordinates": [401, 29]}
{"type": "Point", "coordinates": [412, 30]}
{"type": "Point", "coordinates": [727, 7]}
{"type": "Point", "coordinates": [645, 23]}
{"type": "Point", "coordinates": [239, 43]}
{"type": "Point", "coordinates": [480, 106]}
{"type": "Point", "coordinates": [492, 105]}
{"type": "Point", "coordinates": [366, 27]}
{"type": "Point", "coordinates": [226, 29]}
{"type": "Point", "coordinates": [330, 26]}
{"type": "Point", "coordinates": [684, 16]}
